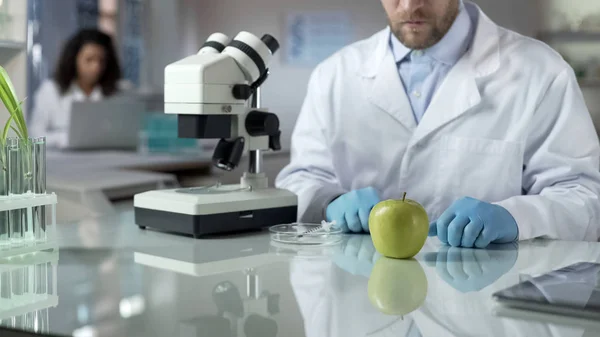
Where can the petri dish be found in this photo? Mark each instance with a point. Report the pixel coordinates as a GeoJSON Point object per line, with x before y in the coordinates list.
{"type": "Point", "coordinates": [305, 234]}
{"type": "Point", "coordinates": [305, 252]}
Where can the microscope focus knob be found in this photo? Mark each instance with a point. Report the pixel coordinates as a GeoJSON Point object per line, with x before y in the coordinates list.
{"type": "Point", "coordinates": [259, 123]}
{"type": "Point", "coordinates": [242, 91]}
{"type": "Point", "coordinates": [275, 141]}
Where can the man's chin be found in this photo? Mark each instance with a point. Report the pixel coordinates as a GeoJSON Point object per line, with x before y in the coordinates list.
{"type": "Point", "coordinates": [420, 39]}
{"type": "Point", "coordinates": [417, 43]}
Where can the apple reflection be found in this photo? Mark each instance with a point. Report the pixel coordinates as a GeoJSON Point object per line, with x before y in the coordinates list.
{"type": "Point", "coordinates": [333, 297]}
{"type": "Point", "coordinates": [397, 287]}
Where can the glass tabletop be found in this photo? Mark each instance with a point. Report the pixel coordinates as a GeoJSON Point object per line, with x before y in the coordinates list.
{"type": "Point", "coordinates": [108, 278]}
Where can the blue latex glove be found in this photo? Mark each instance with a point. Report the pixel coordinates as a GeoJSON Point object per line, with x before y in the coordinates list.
{"type": "Point", "coordinates": [473, 223]}
{"type": "Point", "coordinates": [467, 269]}
{"type": "Point", "coordinates": [357, 256]}
{"type": "Point", "coordinates": [351, 211]}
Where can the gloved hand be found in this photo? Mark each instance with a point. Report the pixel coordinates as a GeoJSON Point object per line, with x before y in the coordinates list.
{"type": "Point", "coordinates": [469, 270]}
{"type": "Point", "coordinates": [351, 210]}
{"type": "Point", "coordinates": [470, 222]}
{"type": "Point", "coordinates": [357, 255]}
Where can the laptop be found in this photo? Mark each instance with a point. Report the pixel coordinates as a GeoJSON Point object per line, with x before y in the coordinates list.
{"type": "Point", "coordinates": [108, 124]}
{"type": "Point", "coordinates": [570, 291]}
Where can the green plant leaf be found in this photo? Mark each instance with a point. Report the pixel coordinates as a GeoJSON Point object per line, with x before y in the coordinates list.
{"type": "Point", "coordinates": [8, 83]}
{"type": "Point", "coordinates": [5, 94]}
{"type": "Point", "coordinates": [5, 97]}
{"type": "Point", "coordinates": [16, 131]}
{"type": "Point", "coordinates": [20, 120]}
{"type": "Point", "coordinates": [20, 130]}
{"type": "Point", "coordinates": [9, 98]}
{"type": "Point", "coordinates": [9, 122]}
{"type": "Point", "coordinates": [6, 128]}
{"type": "Point", "coordinates": [7, 90]}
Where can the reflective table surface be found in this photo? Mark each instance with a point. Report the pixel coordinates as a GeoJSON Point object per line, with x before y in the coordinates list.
{"type": "Point", "coordinates": [109, 278]}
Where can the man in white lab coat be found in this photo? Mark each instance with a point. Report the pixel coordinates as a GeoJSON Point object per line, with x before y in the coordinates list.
{"type": "Point", "coordinates": [486, 128]}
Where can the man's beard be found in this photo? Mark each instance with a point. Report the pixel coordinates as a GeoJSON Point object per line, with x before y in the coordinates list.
{"type": "Point", "coordinates": [437, 32]}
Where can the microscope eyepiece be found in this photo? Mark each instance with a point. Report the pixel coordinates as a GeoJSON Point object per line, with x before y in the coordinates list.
{"type": "Point", "coordinates": [271, 43]}
{"type": "Point", "coordinates": [252, 54]}
{"type": "Point", "coordinates": [215, 44]}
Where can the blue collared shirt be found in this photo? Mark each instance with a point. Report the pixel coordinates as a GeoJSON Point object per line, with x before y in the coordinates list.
{"type": "Point", "coordinates": [423, 71]}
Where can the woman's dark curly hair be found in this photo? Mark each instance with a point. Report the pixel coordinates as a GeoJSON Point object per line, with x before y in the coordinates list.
{"type": "Point", "coordinates": [66, 70]}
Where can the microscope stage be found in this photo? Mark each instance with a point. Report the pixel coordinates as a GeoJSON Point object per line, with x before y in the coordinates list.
{"type": "Point", "coordinates": [223, 209]}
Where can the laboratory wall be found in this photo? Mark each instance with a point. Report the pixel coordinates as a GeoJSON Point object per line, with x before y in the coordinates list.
{"type": "Point", "coordinates": [556, 14]}
{"type": "Point", "coordinates": [50, 24]}
{"type": "Point", "coordinates": [565, 16]}
{"type": "Point", "coordinates": [13, 51]}
{"type": "Point", "coordinates": [578, 40]}
{"type": "Point", "coordinates": [522, 16]}
{"type": "Point", "coordinates": [161, 33]}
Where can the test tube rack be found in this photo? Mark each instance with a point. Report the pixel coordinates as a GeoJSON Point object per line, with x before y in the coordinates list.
{"type": "Point", "coordinates": [27, 202]}
{"type": "Point", "coordinates": [28, 288]}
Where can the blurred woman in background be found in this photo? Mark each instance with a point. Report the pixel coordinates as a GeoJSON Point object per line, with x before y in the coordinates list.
{"type": "Point", "coordinates": [88, 70]}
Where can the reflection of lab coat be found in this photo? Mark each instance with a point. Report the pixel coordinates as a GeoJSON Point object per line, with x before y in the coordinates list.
{"type": "Point", "coordinates": [52, 111]}
{"type": "Point", "coordinates": [334, 303]}
{"type": "Point", "coordinates": [448, 312]}
{"type": "Point", "coordinates": [508, 119]}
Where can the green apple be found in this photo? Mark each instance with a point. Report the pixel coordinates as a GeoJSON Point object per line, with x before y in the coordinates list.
{"type": "Point", "coordinates": [398, 228]}
{"type": "Point", "coordinates": [397, 287]}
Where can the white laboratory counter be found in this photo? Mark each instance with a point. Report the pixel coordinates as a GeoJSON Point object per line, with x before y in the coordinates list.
{"type": "Point", "coordinates": [91, 179]}
{"type": "Point", "coordinates": [105, 160]}
{"type": "Point", "coordinates": [114, 279]}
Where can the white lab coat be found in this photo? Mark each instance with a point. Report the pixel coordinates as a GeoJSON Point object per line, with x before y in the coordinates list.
{"type": "Point", "coordinates": [508, 125]}
{"type": "Point", "coordinates": [52, 111]}
{"type": "Point", "coordinates": [335, 303]}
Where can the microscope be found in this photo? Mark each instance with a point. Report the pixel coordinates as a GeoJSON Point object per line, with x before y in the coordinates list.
{"type": "Point", "coordinates": [245, 301]}
{"type": "Point", "coordinates": [216, 95]}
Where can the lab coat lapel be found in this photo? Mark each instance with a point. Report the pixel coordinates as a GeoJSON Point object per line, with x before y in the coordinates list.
{"type": "Point", "coordinates": [385, 89]}
{"type": "Point", "coordinates": [457, 95]}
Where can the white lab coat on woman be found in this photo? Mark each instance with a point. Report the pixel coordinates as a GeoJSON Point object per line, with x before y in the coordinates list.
{"type": "Point", "coordinates": [52, 111]}
{"type": "Point", "coordinates": [508, 125]}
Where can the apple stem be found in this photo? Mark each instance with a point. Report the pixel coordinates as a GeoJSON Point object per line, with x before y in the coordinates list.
{"type": "Point", "coordinates": [404, 197]}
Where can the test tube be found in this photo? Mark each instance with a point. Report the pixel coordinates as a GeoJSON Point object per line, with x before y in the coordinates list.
{"type": "Point", "coordinates": [41, 279]}
{"type": "Point", "coordinates": [37, 324]}
{"type": "Point", "coordinates": [16, 184]}
{"type": "Point", "coordinates": [39, 186]}
{"type": "Point", "coordinates": [4, 227]}
{"type": "Point", "coordinates": [44, 322]}
{"type": "Point", "coordinates": [28, 282]}
{"type": "Point", "coordinates": [5, 288]}
{"type": "Point", "coordinates": [19, 322]}
{"type": "Point", "coordinates": [30, 321]}
{"type": "Point", "coordinates": [18, 283]}
{"type": "Point", "coordinates": [27, 155]}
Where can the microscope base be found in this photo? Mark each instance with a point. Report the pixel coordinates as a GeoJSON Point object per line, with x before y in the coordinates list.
{"type": "Point", "coordinates": [226, 209]}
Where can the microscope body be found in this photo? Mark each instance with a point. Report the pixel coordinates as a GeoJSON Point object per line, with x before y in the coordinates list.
{"type": "Point", "coordinates": [216, 95]}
